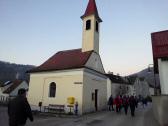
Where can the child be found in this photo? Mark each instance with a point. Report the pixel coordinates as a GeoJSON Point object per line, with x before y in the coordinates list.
{"type": "Point", "coordinates": [76, 108]}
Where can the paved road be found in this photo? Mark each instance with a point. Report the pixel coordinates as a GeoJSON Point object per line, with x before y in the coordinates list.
{"type": "Point", "coordinates": [3, 116]}
{"type": "Point", "coordinates": [144, 117]}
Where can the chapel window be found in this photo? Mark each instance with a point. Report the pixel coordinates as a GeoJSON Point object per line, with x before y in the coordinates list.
{"type": "Point", "coordinates": [52, 90]}
{"type": "Point", "coordinates": [97, 26]}
{"type": "Point", "coordinates": [88, 24]}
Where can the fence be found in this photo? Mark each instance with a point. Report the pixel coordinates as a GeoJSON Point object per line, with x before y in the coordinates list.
{"type": "Point", "coordinates": [4, 99]}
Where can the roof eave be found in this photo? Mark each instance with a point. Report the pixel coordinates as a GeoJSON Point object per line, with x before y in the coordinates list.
{"type": "Point", "coordinates": [98, 18]}
{"type": "Point", "coordinates": [49, 70]}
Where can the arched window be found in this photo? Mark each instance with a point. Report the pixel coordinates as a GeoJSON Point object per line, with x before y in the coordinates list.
{"type": "Point", "coordinates": [52, 89]}
{"type": "Point", "coordinates": [88, 24]}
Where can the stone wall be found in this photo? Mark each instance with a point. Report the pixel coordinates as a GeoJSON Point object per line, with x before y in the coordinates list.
{"type": "Point", "coordinates": [160, 109]}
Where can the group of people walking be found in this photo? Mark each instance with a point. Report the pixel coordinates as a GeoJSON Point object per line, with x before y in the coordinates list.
{"type": "Point", "coordinates": [123, 102]}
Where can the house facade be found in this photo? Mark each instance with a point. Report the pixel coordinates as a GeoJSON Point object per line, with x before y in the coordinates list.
{"type": "Point", "coordinates": [160, 61]}
{"type": "Point", "coordinates": [76, 73]}
{"type": "Point", "coordinates": [12, 89]}
{"type": "Point", "coordinates": [117, 85]}
{"type": "Point", "coordinates": [160, 58]}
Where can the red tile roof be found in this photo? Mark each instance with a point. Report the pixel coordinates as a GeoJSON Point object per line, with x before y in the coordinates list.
{"type": "Point", "coordinates": [92, 9]}
{"type": "Point", "coordinates": [159, 46]}
{"type": "Point", "coordinates": [13, 86]}
{"type": "Point", "coordinates": [62, 60]}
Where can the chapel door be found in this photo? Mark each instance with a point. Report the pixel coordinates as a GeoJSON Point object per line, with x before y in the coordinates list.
{"type": "Point", "coordinates": [96, 99]}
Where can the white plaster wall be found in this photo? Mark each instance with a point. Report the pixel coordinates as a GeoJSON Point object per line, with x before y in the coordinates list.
{"type": "Point", "coordinates": [163, 74]}
{"type": "Point", "coordinates": [36, 86]}
{"type": "Point", "coordinates": [96, 39]}
{"type": "Point", "coordinates": [66, 86]}
{"type": "Point", "coordinates": [15, 91]}
{"type": "Point", "coordinates": [91, 83]}
{"type": "Point", "coordinates": [151, 91]}
{"type": "Point", "coordinates": [95, 63]}
{"type": "Point", "coordinates": [109, 89]}
{"type": "Point", "coordinates": [0, 91]}
{"type": "Point", "coordinates": [2, 94]}
{"type": "Point", "coordinates": [114, 87]}
{"type": "Point", "coordinates": [160, 109]}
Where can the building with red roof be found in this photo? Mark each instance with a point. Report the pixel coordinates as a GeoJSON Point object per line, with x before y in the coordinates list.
{"type": "Point", "coordinates": [160, 57]}
{"type": "Point", "coordinates": [76, 73]}
{"type": "Point", "coordinates": [10, 89]}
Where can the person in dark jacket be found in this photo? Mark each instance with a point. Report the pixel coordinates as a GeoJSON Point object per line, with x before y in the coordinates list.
{"type": "Point", "coordinates": [110, 103]}
{"type": "Point", "coordinates": [19, 109]}
{"type": "Point", "coordinates": [132, 104]}
{"type": "Point", "coordinates": [125, 104]}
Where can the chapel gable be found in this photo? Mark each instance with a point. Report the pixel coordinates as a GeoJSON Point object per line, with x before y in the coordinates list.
{"type": "Point", "coordinates": [94, 62]}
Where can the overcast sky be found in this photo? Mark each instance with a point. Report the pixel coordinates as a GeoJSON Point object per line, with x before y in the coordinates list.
{"type": "Point", "coordinates": [31, 31]}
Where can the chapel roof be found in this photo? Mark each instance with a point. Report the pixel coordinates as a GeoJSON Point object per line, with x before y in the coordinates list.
{"type": "Point", "coordinates": [62, 60]}
{"type": "Point", "coordinates": [92, 9]}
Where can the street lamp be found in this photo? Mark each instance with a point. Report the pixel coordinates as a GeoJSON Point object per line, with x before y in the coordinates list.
{"type": "Point", "coordinates": [150, 71]}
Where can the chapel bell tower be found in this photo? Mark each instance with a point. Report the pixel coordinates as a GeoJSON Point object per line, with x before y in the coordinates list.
{"type": "Point", "coordinates": [91, 28]}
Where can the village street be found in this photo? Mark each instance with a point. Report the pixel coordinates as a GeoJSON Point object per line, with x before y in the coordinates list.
{"type": "Point", "coordinates": [144, 117]}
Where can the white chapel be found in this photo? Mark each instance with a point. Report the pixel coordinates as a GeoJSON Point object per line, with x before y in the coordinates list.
{"type": "Point", "coordinates": [77, 73]}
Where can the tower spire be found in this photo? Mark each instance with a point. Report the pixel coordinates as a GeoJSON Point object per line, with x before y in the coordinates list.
{"type": "Point", "coordinates": [92, 9]}
{"type": "Point", "coordinates": [91, 23]}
